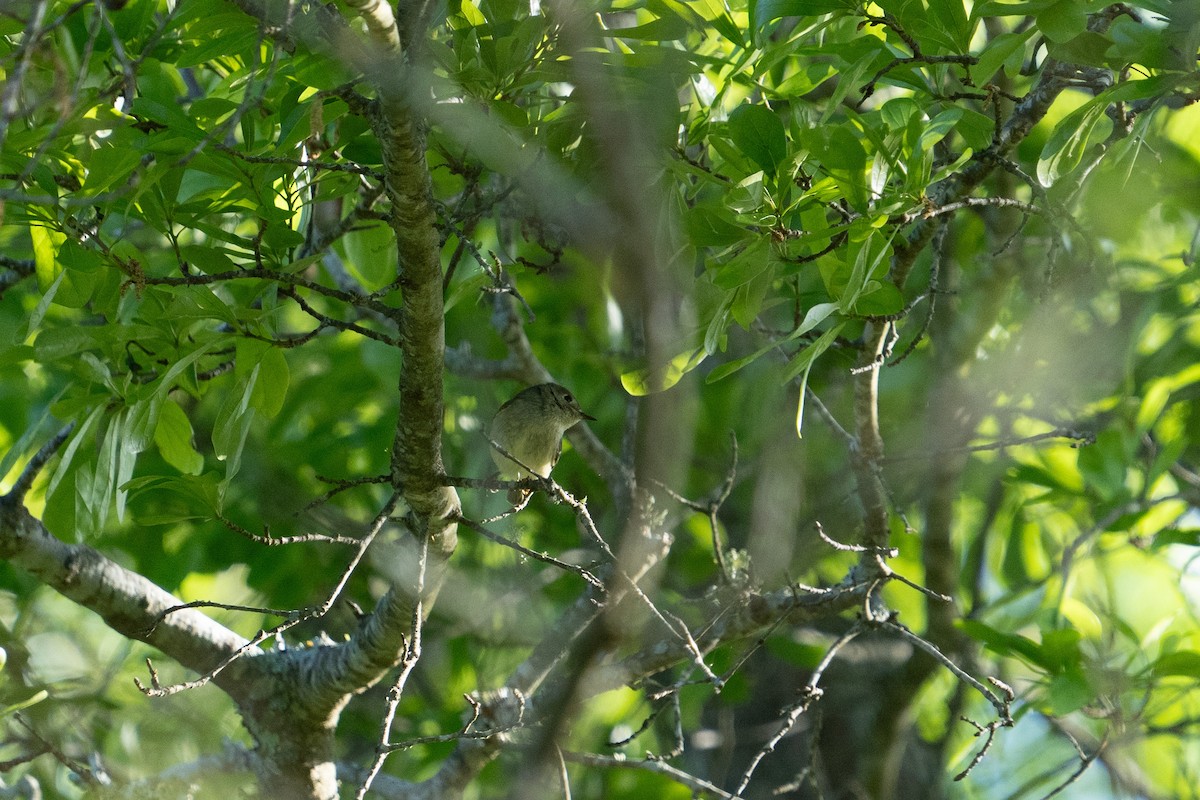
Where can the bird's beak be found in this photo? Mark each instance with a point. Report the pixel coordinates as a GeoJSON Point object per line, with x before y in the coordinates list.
{"type": "Point", "coordinates": [587, 416]}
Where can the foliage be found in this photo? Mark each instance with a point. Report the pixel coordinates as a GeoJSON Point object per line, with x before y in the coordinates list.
{"type": "Point", "coordinates": [917, 278]}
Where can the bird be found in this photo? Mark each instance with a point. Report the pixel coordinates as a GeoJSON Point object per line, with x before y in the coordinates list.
{"type": "Point", "coordinates": [530, 429]}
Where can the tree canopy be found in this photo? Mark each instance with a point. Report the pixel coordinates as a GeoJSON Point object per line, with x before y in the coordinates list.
{"type": "Point", "coordinates": [887, 314]}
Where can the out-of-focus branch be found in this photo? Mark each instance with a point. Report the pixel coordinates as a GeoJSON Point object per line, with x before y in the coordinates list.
{"type": "Point", "coordinates": [381, 22]}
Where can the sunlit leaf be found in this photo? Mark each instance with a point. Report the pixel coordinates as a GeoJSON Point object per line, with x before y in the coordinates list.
{"type": "Point", "coordinates": [173, 437]}
{"type": "Point", "coordinates": [649, 381]}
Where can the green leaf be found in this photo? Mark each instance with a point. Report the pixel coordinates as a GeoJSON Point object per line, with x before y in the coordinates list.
{"type": "Point", "coordinates": [1154, 400]}
{"type": "Point", "coordinates": [1087, 49]}
{"type": "Point", "coordinates": [800, 402]}
{"type": "Point", "coordinates": [815, 316]}
{"type": "Point", "coordinates": [642, 382]}
{"type": "Point", "coordinates": [471, 13]}
{"type": "Point", "coordinates": [1182, 663]}
{"type": "Point", "coordinates": [1068, 691]}
{"type": "Point", "coordinates": [764, 11]}
{"type": "Point", "coordinates": [98, 494]}
{"type": "Point", "coordinates": [1003, 643]}
{"type": "Point", "coordinates": [185, 362]}
{"type": "Point", "coordinates": [108, 166]}
{"type": "Point", "coordinates": [748, 298]}
{"type": "Point", "coordinates": [232, 425]}
{"type": "Point", "coordinates": [55, 343]}
{"type": "Point", "coordinates": [173, 437]}
{"type": "Point", "coordinates": [43, 305]}
{"type": "Point", "coordinates": [751, 262]}
{"type": "Point", "coordinates": [712, 227]}
{"type": "Point", "coordinates": [32, 700]}
{"type": "Point", "coordinates": [1189, 537]}
{"type": "Point", "coordinates": [718, 326]}
{"type": "Point", "coordinates": [881, 301]}
{"type": "Point", "coordinates": [208, 259]}
{"type": "Point", "coordinates": [270, 390]}
{"type": "Point", "coordinates": [936, 129]}
{"type": "Point", "coordinates": [664, 29]}
{"type": "Point", "coordinates": [803, 360]}
{"type": "Point", "coordinates": [1063, 20]}
{"type": "Point", "coordinates": [868, 261]}
{"type": "Point", "coordinates": [141, 420]}
{"type": "Point", "coordinates": [370, 253]}
{"type": "Point", "coordinates": [950, 18]}
{"type": "Point", "coordinates": [1006, 50]}
{"type": "Point", "coordinates": [126, 461]}
{"type": "Point", "coordinates": [67, 457]}
{"type": "Point", "coordinates": [841, 155]}
{"type": "Point", "coordinates": [1068, 142]}
{"type": "Point", "coordinates": [1133, 42]}
{"type": "Point", "coordinates": [759, 133]}
{"type": "Point", "coordinates": [46, 242]}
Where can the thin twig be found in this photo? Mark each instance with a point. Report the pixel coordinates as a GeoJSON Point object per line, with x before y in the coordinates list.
{"type": "Point", "coordinates": [274, 541]}
{"type": "Point", "coordinates": [412, 654]}
{"type": "Point", "coordinates": [1002, 706]}
{"type": "Point", "coordinates": [156, 689]}
{"type": "Point", "coordinates": [25, 480]}
{"type": "Point", "coordinates": [1085, 761]}
{"type": "Point", "coordinates": [341, 485]}
{"type": "Point", "coordinates": [692, 782]}
{"type": "Point", "coordinates": [809, 694]}
{"type": "Point", "coordinates": [523, 550]}
{"type": "Point", "coordinates": [1081, 438]}
{"type": "Point", "coordinates": [86, 775]}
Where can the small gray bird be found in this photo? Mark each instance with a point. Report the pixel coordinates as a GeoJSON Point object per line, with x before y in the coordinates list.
{"type": "Point", "coordinates": [530, 427]}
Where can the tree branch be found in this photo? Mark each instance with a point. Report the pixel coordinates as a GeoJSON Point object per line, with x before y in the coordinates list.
{"type": "Point", "coordinates": [128, 603]}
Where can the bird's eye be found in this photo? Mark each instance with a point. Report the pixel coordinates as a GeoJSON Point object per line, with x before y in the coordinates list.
{"type": "Point", "coordinates": [568, 398]}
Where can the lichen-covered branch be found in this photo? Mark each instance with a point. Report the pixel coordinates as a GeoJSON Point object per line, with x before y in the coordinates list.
{"type": "Point", "coordinates": [131, 604]}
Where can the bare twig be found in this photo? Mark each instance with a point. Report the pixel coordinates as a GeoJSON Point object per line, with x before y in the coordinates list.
{"type": "Point", "coordinates": [157, 689]}
{"type": "Point", "coordinates": [697, 785]}
{"type": "Point", "coordinates": [412, 654]}
{"type": "Point", "coordinates": [1002, 705]}
{"type": "Point", "coordinates": [341, 485]}
{"type": "Point", "coordinates": [809, 694]}
{"type": "Point", "coordinates": [534, 554]}
{"type": "Point", "coordinates": [25, 480]}
{"type": "Point", "coordinates": [86, 775]}
{"type": "Point", "coordinates": [274, 541]}
{"type": "Point", "coordinates": [1079, 437]}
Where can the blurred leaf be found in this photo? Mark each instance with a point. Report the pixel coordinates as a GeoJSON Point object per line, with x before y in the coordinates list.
{"type": "Point", "coordinates": [371, 254]}
{"type": "Point", "coordinates": [67, 456]}
{"type": "Point", "coordinates": [1183, 663]}
{"type": "Point", "coordinates": [647, 381]}
{"type": "Point", "coordinates": [1189, 537]}
{"type": "Point", "coordinates": [32, 700]}
{"type": "Point", "coordinates": [1004, 643]}
{"type": "Point", "coordinates": [271, 388]}
{"type": "Point", "coordinates": [1068, 691]}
